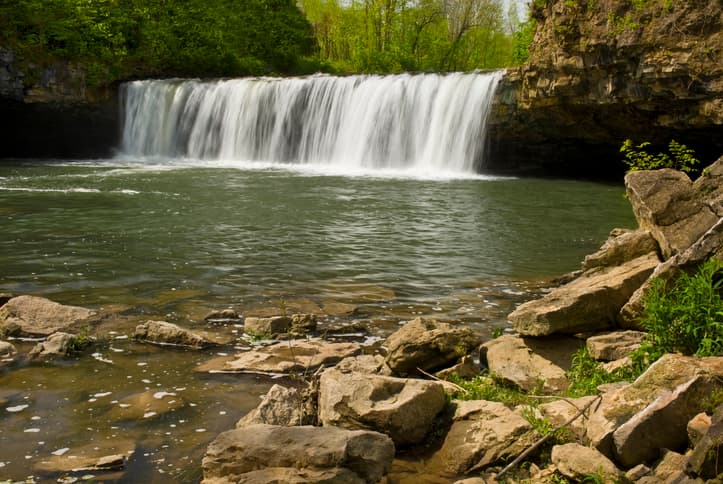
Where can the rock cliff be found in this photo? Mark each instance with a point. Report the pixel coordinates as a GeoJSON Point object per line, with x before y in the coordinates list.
{"type": "Point", "coordinates": [601, 71]}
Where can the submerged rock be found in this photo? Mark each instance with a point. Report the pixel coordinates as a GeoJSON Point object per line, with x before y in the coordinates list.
{"type": "Point", "coordinates": [161, 332]}
{"type": "Point", "coordinates": [589, 303]}
{"type": "Point", "coordinates": [103, 455]}
{"type": "Point", "coordinates": [36, 316]}
{"type": "Point", "coordinates": [300, 454]}
{"type": "Point", "coordinates": [405, 409]}
{"type": "Point", "coordinates": [57, 345]}
{"type": "Point", "coordinates": [145, 405]}
{"type": "Point", "coordinates": [429, 345]}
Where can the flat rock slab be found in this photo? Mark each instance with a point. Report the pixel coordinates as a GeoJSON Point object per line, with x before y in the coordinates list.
{"type": "Point", "coordinates": [588, 303]}
{"type": "Point", "coordinates": [402, 408]}
{"type": "Point", "coordinates": [366, 456]}
{"type": "Point", "coordinates": [285, 357]}
{"type": "Point", "coordinates": [614, 345]}
{"type": "Point", "coordinates": [105, 455]}
{"type": "Point", "coordinates": [32, 316]}
{"type": "Point", "coordinates": [576, 462]}
{"type": "Point", "coordinates": [622, 246]}
{"type": "Point", "coordinates": [482, 434]}
{"type": "Point", "coordinates": [145, 405]}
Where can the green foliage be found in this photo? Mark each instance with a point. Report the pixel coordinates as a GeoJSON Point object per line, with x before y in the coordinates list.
{"type": "Point", "coordinates": [586, 374]}
{"type": "Point", "coordinates": [80, 342]}
{"type": "Point", "coordinates": [637, 157]}
{"type": "Point", "coordinates": [685, 316]}
{"type": "Point", "coordinates": [116, 39]}
{"type": "Point", "coordinates": [488, 388]}
{"type": "Point", "coordinates": [522, 41]}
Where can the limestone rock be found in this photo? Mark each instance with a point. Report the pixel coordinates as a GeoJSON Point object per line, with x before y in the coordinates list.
{"type": "Point", "coordinates": [662, 397]}
{"type": "Point", "coordinates": [303, 323]}
{"type": "Point", "coordinates": [622, 246]}
{"type": "Point", "coordinates": [698, 427]}
{"type": "Point", "coordinates": [530, 363]}
{"type": "Point", "coordinates": [427, 344]}
{"type": "Point", "coordinates": [56, 345]}
{"type": "Point", "coordinates": [361, 364]}
{"type": "Point", "coordinates": [105, 455]}
{"type": "Point", "coordinates": [287, 406]}
{"type": "Point", "coordinates": [637, 472]}
{"type": "Point", "coordinates": [221, 314]}
{"type": "Point", "coordinates": [7, 350]}
{"type": "Point", "coordinates": [466, 369]}
{"type": "Point", "coordinates": [267, 326]}
{"type": "Point", "coordinates": [706, 247]}
{"type": "Point", "coordinates": [710, 186]}
{"type": "Point", "coordinates": [285, 357]}
{"type": "Point", "coordinates": [161, 332]}
{"type": "Point", "coordinates": [704, 461]}
{"type": "Point", "coordinates": [665, 203]}
{"type": "Point", "coordinates": [615, 345]}
{"type": "Point", "coordinates": [576, 462]}
{"type": "Point", "coordinates": [482, 434]}
{"type": "Point", "coordinates": [404, 409]}
{"type": "Point", "coordinates": [36, 316]}
{"type": "Point", "coordinates": [589, 303]}
{"type": "Point", "coordinates": [561, 411]}
{"type": "Point", "coordinates": [670, 467]}
{"type": "Point", "coordinates": [290, 475]}
{"type": "Point", "coordinates": [368, 455]}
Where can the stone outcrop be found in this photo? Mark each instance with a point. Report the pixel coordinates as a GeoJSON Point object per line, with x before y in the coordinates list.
{"type": "Point", "coordinates": [531, 364]}
{"type": "Point", "coordinates": [287, 406]}
{"type": "Point", "coordinates": [600, 72]}
{"type": "Point", "coordinates": [482, 434]}
{"type": "Point", "coordinates": [404, 409]}
{"type": "Point", "coordinates": [589, 303]}
{"type": "Point", "coordinates": [622, 246]}
{"type": "Point", "coordinates": [298, 454]}
{"type": "Point", "coordinates": [429, 345]}
{"type": "Point", "coordinates": [36, 316]}
{"type": "Point", "coordinates": [162, 332]}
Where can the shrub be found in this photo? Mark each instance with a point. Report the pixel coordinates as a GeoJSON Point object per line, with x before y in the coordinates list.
{"type": "Point", "coordinates": [685, 316]}
{"type": "Point", "coordinates": [637, 157]}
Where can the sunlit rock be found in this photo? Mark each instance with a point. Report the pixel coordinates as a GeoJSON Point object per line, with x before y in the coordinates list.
{"type": "Point", "coordinates": [287, 406]}
{"type": "Point", "coordinates": [56, 345]}
{"type": "Point", "coordinates": [577, 462]}
{"type": "Point", "coordinates": [162, 332]}
{"type": "Point", "coordinates": [614, 345]}
{"type": "Point", "coordinates": [101, 455]}
{"type": "Point", "coordinates": [37, 316]}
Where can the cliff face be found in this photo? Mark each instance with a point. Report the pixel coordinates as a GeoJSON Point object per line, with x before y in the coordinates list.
{"type": "Point", "coordinates": [50, 112]}
{"type": "Point", "coordinates": [601, 71]}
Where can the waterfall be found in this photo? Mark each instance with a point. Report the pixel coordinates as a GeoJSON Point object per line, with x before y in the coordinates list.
{"type": "Point", "coordinates": [417, 122]}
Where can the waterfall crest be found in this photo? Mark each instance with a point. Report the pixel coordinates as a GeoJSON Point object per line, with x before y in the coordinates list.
{"type": "Point", "coordinates": [425, 121]}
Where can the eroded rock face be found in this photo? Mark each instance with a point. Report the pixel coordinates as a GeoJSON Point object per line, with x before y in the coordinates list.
{"type": "Point", "coordinates": [600, 72]}
{"type": "Point", "coordinates": [665, 203]}
{"type": "Point", "coordinates": [161, 332]}
{"type": "Point", "coordinates": [427, 344]}
{"type": "Point", "coordinates": [37, 316]}
{"type": "Point", "coordinates": [402, 408]}
{"type": "Point", "coordinates": [359, 455]}
{"type": "Point", "coordinates": [588, 303]}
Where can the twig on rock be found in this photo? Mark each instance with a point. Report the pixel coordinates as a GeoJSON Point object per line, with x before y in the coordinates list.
{"type": "Point", "coordinates": [459, 388]}
{"type": "Point", "coordinates": [544, 438]}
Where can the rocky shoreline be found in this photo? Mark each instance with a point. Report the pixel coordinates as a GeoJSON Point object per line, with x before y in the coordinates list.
{"type": "Point", "coordinates": [343, 415]}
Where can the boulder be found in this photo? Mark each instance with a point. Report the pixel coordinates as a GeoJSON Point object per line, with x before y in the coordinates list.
{"type": "Point", "coordinates": [648, 403]}
{"type": "Point", "coordinates": [404, 409]}
{"type": "Point", "coordinates": [7, 350]}
{"type": "Point", "coordinates": [427, 344]}
{"type": "Point", "coordinates": [281, 405]}
{"type": "Point", "coordinates": [361, 364]}
{"type": "Point", "coordinates": [221, 314]}
{"type": "Point", "coordinates": [303, 323]}
{"type": "Point", "coordinates": [665, 203]}
{"type": "Point", "coordinates": [31, 316]}
{"type": "Point", "coordinates": [561, 411]}
{"type": "Point", "coordinates": [365, 456]}
{"type": "Point", "coordinates": [710, 186]}
{"type": "Point", "coordinates": [482, 434]}
{"type": "Point", "coordinates": [709, 245]}
{"type": "Point", "coordinates": [588, 303]}
{"type": "Point", "coordinates": [698, 427]}
{"type": "Point", "coordinates": [704, 461]}
{"type": "Point", "coordinates": [577, 462]}
{"type": "Point", "coordinates": [56, 345]}
{"type": "Point", "coordinates": [615, 345]}
{"type": "Point", "coordinates": [530, 363]}
{"type": "Point", "coordinates": [465, 369]}
{"type": "Point", "coordinates": [161, 332]}
{"type": "Point", "coordinates": [622, 246]}
{"type": "Point", "coordinates": [670, 468]}
{"type": "Point", "coordinates": [267, 326]}
{"type": "Point", "coordinates": [285, 357]}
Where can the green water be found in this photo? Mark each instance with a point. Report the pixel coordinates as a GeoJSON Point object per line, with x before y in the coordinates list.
{"type": "Point", "coordinates": [174, 241]}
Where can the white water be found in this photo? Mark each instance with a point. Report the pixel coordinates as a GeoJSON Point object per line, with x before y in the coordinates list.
{"type": "Point", "coordinates": [418, 123]}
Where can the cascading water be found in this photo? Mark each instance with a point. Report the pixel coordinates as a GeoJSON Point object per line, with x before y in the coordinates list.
{"type": "Point", "coordinates": [424, 122]}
